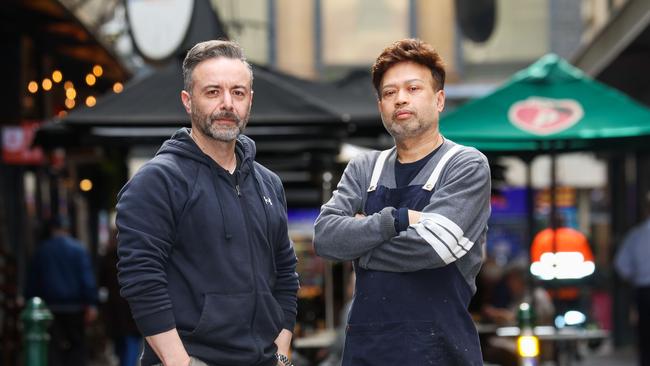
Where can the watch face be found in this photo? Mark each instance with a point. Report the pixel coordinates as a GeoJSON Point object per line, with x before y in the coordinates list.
{"type": "Point", "coordinates": [158, 27]}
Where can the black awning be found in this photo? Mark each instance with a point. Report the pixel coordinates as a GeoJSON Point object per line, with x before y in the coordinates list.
{"type": "Point", "coordinates": [154, 100]}
{"type": "Point", "coordinates": [298, 135]}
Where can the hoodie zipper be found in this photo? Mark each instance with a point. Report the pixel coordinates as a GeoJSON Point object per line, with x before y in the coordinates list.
{"type": "Point", "coordinates": [253, 267]}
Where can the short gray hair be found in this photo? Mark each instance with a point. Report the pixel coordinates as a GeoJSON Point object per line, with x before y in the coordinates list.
{"type": "Point", "coordinates": [211, 49]}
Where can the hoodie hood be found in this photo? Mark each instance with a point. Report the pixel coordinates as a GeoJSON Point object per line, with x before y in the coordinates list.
{"type": "Point", "coordinates": [182, 144]}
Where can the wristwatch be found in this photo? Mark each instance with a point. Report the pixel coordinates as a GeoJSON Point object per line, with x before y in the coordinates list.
{"type": "Point", "coordinates": [283, 360]}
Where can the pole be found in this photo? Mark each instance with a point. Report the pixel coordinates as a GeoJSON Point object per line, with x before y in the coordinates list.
{"type": "Point", "coordinates": [527, 342]}
{"type": "Point", "coordinates": [329, 279]}
{"type": "Point", "coordinates": [530, 218]}
{"type": "Point", "coordinates": [553, 223]}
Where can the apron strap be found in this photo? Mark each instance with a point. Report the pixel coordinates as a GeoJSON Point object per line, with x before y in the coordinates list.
{"type": "Point", "coordinates": [379, 165]}
{"type": "Point", "coordinates": [431, 182]}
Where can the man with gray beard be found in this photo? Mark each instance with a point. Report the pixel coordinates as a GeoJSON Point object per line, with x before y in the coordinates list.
{"type": "Point", "coordinates": [205, 260]}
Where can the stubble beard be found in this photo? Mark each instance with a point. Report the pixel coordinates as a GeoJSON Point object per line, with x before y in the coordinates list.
{"type": "Point", "coordinates": [401, 130]}
{"type": "Point", "coordinates": [216, 132]}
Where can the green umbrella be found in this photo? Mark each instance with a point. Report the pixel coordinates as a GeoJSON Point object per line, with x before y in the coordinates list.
{"type": "Point", "coordinates": [550, 105]}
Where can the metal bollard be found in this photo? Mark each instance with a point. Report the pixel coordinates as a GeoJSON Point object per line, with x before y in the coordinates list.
{"type": "Point", "coordinates": [36, 319]}
{"type": "Point", "coordinates": [527, 343]}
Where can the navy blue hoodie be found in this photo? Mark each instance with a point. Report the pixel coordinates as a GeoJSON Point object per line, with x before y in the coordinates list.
{"type": "Point", "coordinates": [207, 256]}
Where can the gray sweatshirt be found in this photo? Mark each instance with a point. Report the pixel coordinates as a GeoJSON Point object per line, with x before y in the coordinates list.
{"type": "Point", "coordinates": [452, 229]}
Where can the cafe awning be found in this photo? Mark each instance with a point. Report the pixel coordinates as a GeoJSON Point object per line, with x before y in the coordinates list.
{"type": "Point", "coordinates": [296, 133]}
{"type": "Point", "coordinates": [149, 109]}
{"type": "Point", "coordinates": [57, 32]}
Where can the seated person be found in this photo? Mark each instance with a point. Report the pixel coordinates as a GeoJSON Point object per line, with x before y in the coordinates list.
{"type": "Point", "coordinates": [502, 309]}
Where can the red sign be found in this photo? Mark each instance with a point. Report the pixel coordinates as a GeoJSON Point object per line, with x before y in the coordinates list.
{"type": "Point", "coordinates": [16, 145]}
{"type": "Point", "coordinates": [545, 116]}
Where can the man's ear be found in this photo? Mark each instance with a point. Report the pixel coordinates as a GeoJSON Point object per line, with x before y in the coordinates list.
{"type": "Point", "coordinates": [440, 100]}
{"type": "Point", "coordinates": [187, 101]}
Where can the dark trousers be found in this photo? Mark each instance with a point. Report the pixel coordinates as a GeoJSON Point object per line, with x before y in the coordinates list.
{"type": "Point", "coordinates": [643, 307]}
{"type": "Point", "coordinates": [67, 343]}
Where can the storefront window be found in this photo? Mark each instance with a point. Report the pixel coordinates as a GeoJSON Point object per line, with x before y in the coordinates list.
{"type": "Point", "coordinates": [247, 22]}
{"type": "Point", "coordinates": [355, 31]}
{"type": "Point", "coordinates": [520, 34]}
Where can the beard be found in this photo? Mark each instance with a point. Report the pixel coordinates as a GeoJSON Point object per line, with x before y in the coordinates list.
{"type": "Point", "coordinates": [219, 132]}
{"type": "Point", "coordinates": [411, 127]}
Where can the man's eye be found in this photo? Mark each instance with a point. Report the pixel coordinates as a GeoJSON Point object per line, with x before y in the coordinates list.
{"type": "Point", "coordinates": [389, 93]}
{"type": "Point", "coordinates": [239, 93]}
{"type": "Point", "coordinates": [213, 92]}
{"type": "Point", "coordinates": [414, 88]}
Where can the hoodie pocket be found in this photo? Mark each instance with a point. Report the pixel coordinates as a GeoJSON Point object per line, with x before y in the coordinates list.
{"type": "Point", "coordinates": [225, 322]}
{"type": "Point", "coordinates": [270, 317]}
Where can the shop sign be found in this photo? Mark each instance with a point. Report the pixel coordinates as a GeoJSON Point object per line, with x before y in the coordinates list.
{"type": "Point", "coordinates": [545, 116]}
{"type": "Point", "coordinates": [564, 197]}
{"type": "Point", "coordinates": [17, 145]}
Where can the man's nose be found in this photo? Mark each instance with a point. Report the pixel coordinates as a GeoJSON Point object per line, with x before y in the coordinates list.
{"type": "Point", "coordinates": [401, 98]}
{"type": "Point", "coordinates": [227, 102]}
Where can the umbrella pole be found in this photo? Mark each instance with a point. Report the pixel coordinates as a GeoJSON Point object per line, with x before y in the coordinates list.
{"type": "Point", "coordinates": [553, 223]}
{"type": "Point", "coordinates": [530, 208]}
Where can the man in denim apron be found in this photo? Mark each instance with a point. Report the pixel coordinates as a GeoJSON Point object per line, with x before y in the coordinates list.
{"type": "Point", "coordinates": [414, 220]}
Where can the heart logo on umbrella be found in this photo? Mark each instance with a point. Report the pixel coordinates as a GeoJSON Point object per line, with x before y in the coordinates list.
{"type": "Point", "coordinates": [545, 116]}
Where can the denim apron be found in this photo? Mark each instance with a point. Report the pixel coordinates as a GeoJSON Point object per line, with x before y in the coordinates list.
{"type": "Point", "coordinates": [413, 318]}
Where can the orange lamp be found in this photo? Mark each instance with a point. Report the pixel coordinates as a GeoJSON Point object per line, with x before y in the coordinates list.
{"type": "Point", "coordinates": [561, 254]}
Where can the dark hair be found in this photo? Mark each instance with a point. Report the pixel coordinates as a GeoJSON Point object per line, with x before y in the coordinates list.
{"type": "Point", "coordinates": [52, 225]}
{"type": "Point", "coordinates": [211, 49]}
{"type": "Point", "coordinates": [413, 50]}
{"type": "Point", "coordinates": [59, 222]}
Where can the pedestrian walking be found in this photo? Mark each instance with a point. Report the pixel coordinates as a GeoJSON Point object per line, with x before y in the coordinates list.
{"type": "Point", "coordinates": [631, 263]}
{"type": "Point", "coordinates": [61, 273]}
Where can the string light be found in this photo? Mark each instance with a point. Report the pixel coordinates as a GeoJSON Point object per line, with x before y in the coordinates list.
{"type": "Point", "coordinates": [57, 76]}
{"type": "Point", "coordinates": [118, 87]}
{"type": "Point", "coordinates": [86, 185]}
{"type": "Point", "coordinates": [91, 101]}
{"type": "Point", "coordinates": [33, 87]}
{"type": "Point", "coordinates": [98, 70]}
{"type": "Point", "coordinates": [69, 103]}
{"type": "Point", "coordinates": [71, 93]}
{"type": "Point", "coordinates": [90, 79]}
{"type": "Point", "coordinates": [46, 84]}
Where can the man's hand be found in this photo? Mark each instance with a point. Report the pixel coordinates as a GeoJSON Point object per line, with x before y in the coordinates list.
{"type": "Point", "coordinates": [283, 341]}
{"type": "Point", "coordinates": [500, 316]}
{"type": "Point", "coordinates": [414, 217]}
{"type": "Point", "coordinates": [169, 348]}
{"type": "Point", "coordinates": [90, 314]}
